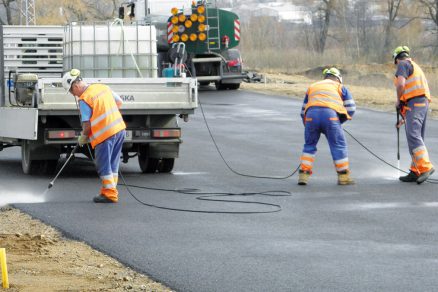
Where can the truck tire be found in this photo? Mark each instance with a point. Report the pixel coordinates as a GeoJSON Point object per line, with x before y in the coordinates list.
{"type": "Point", "coordinates": [147, 164]}
{"type": "Point", "coordinates": [220, 86]}
{"type": "Point", "coordinates": [32, 166]}
{"type": "Point", "coordinates": [29, 165]}
{"type": "Point", "coordinates": [166, 165]}
{"type": "Point", "coordinates": [233, 86]}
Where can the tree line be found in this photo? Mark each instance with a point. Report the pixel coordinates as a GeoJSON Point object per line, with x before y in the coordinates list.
{"type": "Point", "coordinates": [341, 31]}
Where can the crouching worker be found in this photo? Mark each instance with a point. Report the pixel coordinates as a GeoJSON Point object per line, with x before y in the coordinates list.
{"type": "Point", "coordinates": [103, 127]}
{"type": "Point", "coordinates": [413, 98]}
{"type": "Point", "coordinates": [326, 106]}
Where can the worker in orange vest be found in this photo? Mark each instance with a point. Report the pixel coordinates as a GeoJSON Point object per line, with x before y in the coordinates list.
{"type": "Point", "coordinates": [413, 98]}
{"type": "Point", "coordinates": [327, 105]}
{"type": "Point", "coordinates": [103, 127]}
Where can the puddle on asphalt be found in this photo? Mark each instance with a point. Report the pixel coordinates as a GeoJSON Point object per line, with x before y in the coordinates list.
{"type": "Point", "coordinates": [187, 173]}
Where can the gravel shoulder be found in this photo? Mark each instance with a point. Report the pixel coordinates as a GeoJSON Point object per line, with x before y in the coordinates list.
{"type": "Point", "coordinates": [40, 258]}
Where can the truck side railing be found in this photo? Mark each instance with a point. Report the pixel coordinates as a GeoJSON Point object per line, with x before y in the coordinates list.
{"type": "Point", "coordinates": [146, 94]}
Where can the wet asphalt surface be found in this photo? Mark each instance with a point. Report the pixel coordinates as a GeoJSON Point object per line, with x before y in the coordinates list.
{"type": "Point", "coordinates": [379, 235]}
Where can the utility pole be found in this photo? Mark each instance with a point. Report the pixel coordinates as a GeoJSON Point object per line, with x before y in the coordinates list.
{"type": "Point", "coordinates": [27, 12]}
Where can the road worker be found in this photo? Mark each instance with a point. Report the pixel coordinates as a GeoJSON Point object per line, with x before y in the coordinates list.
{"type": "Point", "coordinates": [102, 126]}
{"type": "Point", "coordinates": [327, 105]}
{"type": "Point", "coordinates": [413, 98]}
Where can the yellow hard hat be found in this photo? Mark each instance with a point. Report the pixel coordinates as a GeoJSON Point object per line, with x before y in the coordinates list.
{"type": "Point", "coordinates": [399, 50]}
{"type": "Point", "coordinates": [334, 72]}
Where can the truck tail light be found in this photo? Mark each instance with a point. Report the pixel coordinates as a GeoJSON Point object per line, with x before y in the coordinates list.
{"type": "Point", "coordinates": [163, 133]}
{"type": "Point", "coordinates": [233, 63]}
{"type": "Point", "coordinates": [62, 134]}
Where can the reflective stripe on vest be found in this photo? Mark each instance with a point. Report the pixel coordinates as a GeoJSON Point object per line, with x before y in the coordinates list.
{"type": "Point", "coordinates": [106, 119]}
{"type": "Point", "coordinates": [327, 93]}
{"type": "Point", "coordinates": [416, 84]}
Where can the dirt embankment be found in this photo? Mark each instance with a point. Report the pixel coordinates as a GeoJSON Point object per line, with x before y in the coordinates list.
{"type": "Point", "coordinates": [39, 258]}
{"type": "Point", "coordinates": [371, 85]}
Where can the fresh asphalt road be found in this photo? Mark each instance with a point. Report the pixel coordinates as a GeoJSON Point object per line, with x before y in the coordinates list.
{"type": "Point", "coordinates": [379, 235]}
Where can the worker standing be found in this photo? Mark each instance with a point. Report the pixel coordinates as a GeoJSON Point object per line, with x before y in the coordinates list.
{"type": "Point", "coordinates": [413, 98]}
{"type": "Point", "coordinates": [327, 105]}
{"type": "Point", "coordinates": [102, 126]}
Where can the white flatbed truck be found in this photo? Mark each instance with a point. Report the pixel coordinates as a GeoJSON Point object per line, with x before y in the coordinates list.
{"type": "Point", "coordinates": [37, 114]}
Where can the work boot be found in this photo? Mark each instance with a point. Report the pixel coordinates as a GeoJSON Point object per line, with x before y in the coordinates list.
{"type": "Point", "coordinates": [303, 177]}
{"type": "Point", "coordinates": [102, 199]}
{"type": "Point", "coordinates": [345, 179]}
{"type": "Point", "coordinates": [410, 177]}
{"type": "Point", "coordinates": [424, 176]}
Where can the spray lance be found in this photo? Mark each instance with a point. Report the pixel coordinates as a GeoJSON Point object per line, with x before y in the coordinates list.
{"type": "Point", "coordinates": [65, 164]}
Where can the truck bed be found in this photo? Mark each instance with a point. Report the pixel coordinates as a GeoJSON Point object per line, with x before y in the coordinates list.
{"type": "Point", "coordinates": [148, 95]}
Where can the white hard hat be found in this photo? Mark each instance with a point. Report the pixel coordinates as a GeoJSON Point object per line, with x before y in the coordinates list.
{"type": "Point", "coordinates": [69, 78]}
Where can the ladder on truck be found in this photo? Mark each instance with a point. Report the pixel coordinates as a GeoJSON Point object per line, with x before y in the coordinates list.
{"type": "Point", "coordinates": [213, 31]}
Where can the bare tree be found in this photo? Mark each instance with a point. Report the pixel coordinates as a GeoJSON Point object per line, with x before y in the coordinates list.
{"type": "Point", "coordinates": [393, 8]}
{"type": "Point", "coordinates": [324, 13]}
{"type": "Point", "coordinates": [8, 5]}
{"type": "Point", "coordinates": [431, 7]}
{"type": "Point", "coordinates": [361, 24]}
{"type": "Point", "coordinates": [65, 11]}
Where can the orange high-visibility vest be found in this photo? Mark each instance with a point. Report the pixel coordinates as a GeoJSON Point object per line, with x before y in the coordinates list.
{"type": "Point", "coordinates": [106, 119]}
{"type": "Point", "coordinates": [327, 93]}
{"type": "Point", "coordinates": [416, 84]}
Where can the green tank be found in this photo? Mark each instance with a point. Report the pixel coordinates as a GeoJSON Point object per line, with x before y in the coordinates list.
{"type": "Point", "coordinates": [205, 29]}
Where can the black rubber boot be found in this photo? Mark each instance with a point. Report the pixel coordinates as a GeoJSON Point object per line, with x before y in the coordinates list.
{"type": "Point", "coordinates": [102, 199]}
{"type": "Point", "coordinates": [410, 177]}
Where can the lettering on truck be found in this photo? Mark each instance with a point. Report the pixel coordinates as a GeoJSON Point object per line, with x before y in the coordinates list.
{"type": "Point", "coordinates": [127, 97]}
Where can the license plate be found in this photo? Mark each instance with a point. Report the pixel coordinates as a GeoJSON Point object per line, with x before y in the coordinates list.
{"type": "Point", "coordinates": [128, 135]}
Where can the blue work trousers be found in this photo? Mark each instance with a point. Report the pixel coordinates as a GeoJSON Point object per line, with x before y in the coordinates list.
{"type": "Point", "coordinates": [326, 121]}
{"type": "Point", "coordinates": [107, 164]}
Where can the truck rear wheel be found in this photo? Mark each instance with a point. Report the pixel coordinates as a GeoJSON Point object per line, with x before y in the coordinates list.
{"type": "Point", "coordinates": [32, 166]}
{"type": "Point", "coordinates": [166, 165]}
{"type": "Point", "coordinates": [220, 86]}
{"type": "Point", "coordinates": [147, 164]}
{"type": "Point", "coordinates": [234, 86]}
{"type": "Point", "coordinates": [28, 165]}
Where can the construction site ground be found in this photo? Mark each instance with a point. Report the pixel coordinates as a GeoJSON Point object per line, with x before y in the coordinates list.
{"type": "Point", "coordinates": [40, 258]}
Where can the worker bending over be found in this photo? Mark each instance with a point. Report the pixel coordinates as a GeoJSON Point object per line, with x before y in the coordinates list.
{"type": "Point", "coordinates": [103, 127]}
{"type": "Point", "coordinates": [413, 98]}
{"type": "Point", "coordinates": [326, 106]}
